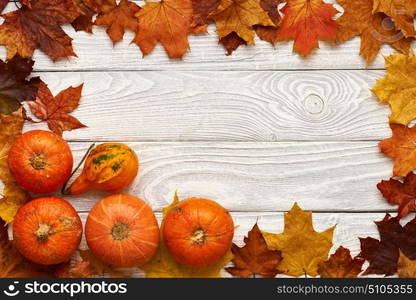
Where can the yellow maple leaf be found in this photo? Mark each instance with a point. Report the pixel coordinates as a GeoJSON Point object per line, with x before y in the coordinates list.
{"type": "Point", "coordinates": [240, 16]}
{"type": "Point", "coordinates": [398, 87]}
{"type": "Point", "coordinates": [406, 268]}
{"type": "Point", "coordinates": [302, 247]}
{"type": "Point", "coordinates": [163, 264]}
{"type": "Point", "coordinates": [13, 196]}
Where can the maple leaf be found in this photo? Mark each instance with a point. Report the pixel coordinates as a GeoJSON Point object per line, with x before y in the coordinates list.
{"type": "Point", "coordinates": [254, 258]}
{"type": "Point", "coordinates": [14, 87]}
{"type": "Point", "coordinates": [307, 21]}
{"type": "Point", "coordinates": [163, 265]}
{"type": "Point", "coordinates": [119, 19]}
{"type": "Point", "coordinates": [13, 196]}
{"type": "Point", "coordinates": [235, 21]}
{"type": "Point", "coordinates": [98, 267]}
{"type": "Point", "coordinates": [374, 29]}
{"type": "Point", "coordinates": [302, 247]}
{"type": "Point", "coordinates": [270, 33]}
{"type": "Point", "coordinates": [402, 194]}
{"type": "Point", "coordinates": [401, 11]}
{"type": "Point", "coordinates": [88, 9]}
{"type": "Point", "coordinates": [201, 11]}
{"type": "Point", "coordinates": [401, 148]}
{"type": "Point", "coordinates": [167, 22]}
{"type": "Point", "coordinates": [55, 110]}
{"type": "Point", "coordinates": [341, 265]}
{"type": "Point", "coordinates": [383, 254]}
{"type": "Point", "coordinates": [39, 26]}
{"type": "Point", "coordinates": [398, 87]}
{"type": "Point", "coordinates": [406, 268]}
{"type": "Point", "coordinates": [3, 4]}
{"type": "Point", "coordinates": [79, 269]}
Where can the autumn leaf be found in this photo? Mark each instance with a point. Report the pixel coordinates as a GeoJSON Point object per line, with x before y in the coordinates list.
{"type": "Point", "coordinates": [375, 29]}
{"type": "Point", "coordinates": [402, 12]}
{"type": "Point", "coordinates": [163, 265]}
{"type": "Point", "coordinates": [84, 21]}
{"type": "Point", "coordinates": [39, 27]}
{"type": "Point", "coordinates": [341, 265]}
{"type": "Point", "coordinates": [3, 4]}
{"type": "Point", "coordinates": [254, 258]}
{"type": "Point", "coordinates": [119, 19]}
{"type": "Point", "coordinates": [398, 87]}
{"type": "Point", "coordinates": [235, 21]}
{"type": "Point", "coordinates": [302, 247]}
{"type": "Point", "coordinates": [201, 11]}
{"type": "Point", "coordinates": [307, 21]}
{"type": "Point", "coordinates": [55, 110]}
{"type": "Point", "coordinates": [406, 268]}
{"type": "Point", "coordinates": [270, 33]}
{"type": "Point", "coordinates": [13, 196]}
{"type": "Point", "coordinates": [79, 269]}
{"type": "Point", "coordinates": [98, 267]}
{"type": "Point", "coordinates": [383, 254]}
{"type": "Point", "coordinates": [402, 194]}
{"type": "Point", "coordinates": [14, 85]}
{"type": "Point", "coordinates": [167, 22]}
{"type": "Point", "coordinates": [401, 148]}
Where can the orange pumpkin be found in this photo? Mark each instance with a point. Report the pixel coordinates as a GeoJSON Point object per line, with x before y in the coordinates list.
{"type": "Point", "coordinates": [40, 161]}
{"type": "Point", "coordinates": [109, 167]}
{"type": "Point", "coordinates": [47, 230]}
{"type": "Point", "coordinates": [122, 230]}
{"type": "Point", "coordinates": [198, 232]}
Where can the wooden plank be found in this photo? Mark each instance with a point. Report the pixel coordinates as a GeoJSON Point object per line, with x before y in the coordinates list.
{"type": "Point", "coordinates": [96, 52]}
{"type": "Point", "coordinates": [320, 176]}
{"type": "Point", "coordinates": [349, 228]}
{"type": "Point", "coordinates": [226, 106]}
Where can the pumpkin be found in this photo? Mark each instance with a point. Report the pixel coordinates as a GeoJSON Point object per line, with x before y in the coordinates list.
{"type": "Point", "coordinates": [40, 161]}
{"type": "Point", "coordinates": [198, 232]}
{"type": "Point", "coordinates": [47, 230]}
{"type": "Point", "coordinates": [109, 167]}
{"type": "Point", "coordinates": [122, 230]}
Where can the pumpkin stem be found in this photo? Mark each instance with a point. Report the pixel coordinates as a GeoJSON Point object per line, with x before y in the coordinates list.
{"type": "Point", "coordinates": [120, 231]}
{"type": "Point", "coordinates": [38, 161]}
{"type": "Point", "coordinates": [43, 232]}
{"type": "Point", "coordinates": [66, 191]}
{"type": "Point", "coordinates": [198, 236]}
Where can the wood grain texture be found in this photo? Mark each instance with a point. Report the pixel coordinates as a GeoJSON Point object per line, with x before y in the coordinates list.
{"type": "Point", "coordinates": [349, 228]}
{"type": "Point", "coordinates": [96, 52]}
{"type": "Point", "coordinates": [226, 106]}
{"type": "Point", "coordinates": [320, 176]}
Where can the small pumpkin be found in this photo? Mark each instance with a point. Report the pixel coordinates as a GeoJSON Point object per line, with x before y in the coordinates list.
{"type": "Point", "coordinates": [122, 230]}
{"type": "Point", "coordinates": [109, 167]}
{"type": "Point", "coordinates": [40, 161]}
{"type": "Point", "coordinates": [47, 230]}
{"type": "Point", "coordinates": [198, 232]}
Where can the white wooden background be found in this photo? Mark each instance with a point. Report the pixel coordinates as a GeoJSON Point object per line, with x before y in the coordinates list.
{"type": "Point", "coordinates": [255, 131]}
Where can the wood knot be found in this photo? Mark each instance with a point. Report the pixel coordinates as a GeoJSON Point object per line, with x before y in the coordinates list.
{"type": "Point", "coordinates": [314, 104]}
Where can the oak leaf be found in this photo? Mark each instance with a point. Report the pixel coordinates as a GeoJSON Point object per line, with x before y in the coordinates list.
{"type": "Point", "coordinates": [55, 110]}
{"type": "Point", "coordinates": [119, 19]}
{"type": "Point", "coordinates": [13, 196]}
{"type": "Point", "coordinates": [307, 21]}
{"type": "Point", "coordinates": [14, 85]}
{"type": "Point", "coordinates": [402, 12]}
{"type": "Point", "coordinates": [163, 265]}
{"type": "Point", "coordinates": [375, 29]}
{"type": "Point", "coordinates": [167, 22]}
{"type": "Point", "coordinates": [341, 265]}
{"type": "Point", "coordinates": [254, 258]}
{"type": "Point", "coordinates": [39, 27]}
{"type": "Point", "coordinates": [406, 268]}
{"type": "Point", "coordinates": [401, 148]}
{"type": "Point", "coordinates": [383, 254]}
{"type": "Point", "coordinates": [398, 87]}
{"type": "Point", "coordinates": [402, 194]}
{"type": "Point", "coordinates": [302, 247]}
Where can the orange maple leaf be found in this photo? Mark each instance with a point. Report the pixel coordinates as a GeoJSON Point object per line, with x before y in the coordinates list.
{"type": "Point", "coordinates": [55, 110]}
{"type": "Point", "coordinates": [167, 22]}
{"type": "Point", "coordinates": [27, 29]}
{"type": "Point", "coordinates": [375, 29]}
{"type": "Point", "coordinates": [270, 33]}
{"type": "Point", "coordinates": [119, 19]}
{"type": "Point", "coordinates": [254, 257]}
{"type": "Point", "coordinates": [307, 21]}
{"type": "Point", "coordinates": [402, 12]}
{"type": "Point", "coordinates": [402, 148]}
{"type": "Point", "coordinates": [341, 265]}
